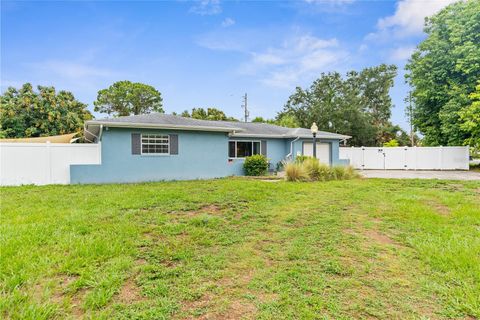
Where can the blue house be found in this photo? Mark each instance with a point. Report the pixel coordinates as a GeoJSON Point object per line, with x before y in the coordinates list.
{"type": "Point", "coordinates": [158, 146]}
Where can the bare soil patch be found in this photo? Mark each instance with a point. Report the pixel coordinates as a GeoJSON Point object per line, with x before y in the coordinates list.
{"type": "Point", "coordinates": [212, 209]}
{"type": "Point", "coordinates": [440, 208]}
{"type": "Point", "coordinates": [240, 310]}
{"type": "Point", "coordinates": [130, 292]}
{"type": "Point", "coordinates": [76, 303]}
{"type": "Point", "coordinates": [379, 237]}
{"type": "Point", "coordinates": [192, 306]}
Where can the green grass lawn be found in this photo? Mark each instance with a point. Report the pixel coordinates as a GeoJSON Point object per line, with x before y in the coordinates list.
{"type": "Point", "coordinates": [237, 248]}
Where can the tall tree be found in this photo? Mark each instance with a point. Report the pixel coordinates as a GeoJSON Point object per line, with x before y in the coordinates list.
{"type": "Point", "coordinates": [358, 105]}
{"type": "Point", "coordinates": [470, 121]}
{"type": "Point", "coordinates": [25, 113]}
{"type": "Point", "coordinates": [209, 114]}
{"type": "Point", "coordinates": [443, 72]}
{"type": "Point", "coordinates": [124, 98]}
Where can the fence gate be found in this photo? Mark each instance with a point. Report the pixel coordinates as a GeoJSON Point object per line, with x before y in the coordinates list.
{"type": "Point", "coordinates": [407, 158]}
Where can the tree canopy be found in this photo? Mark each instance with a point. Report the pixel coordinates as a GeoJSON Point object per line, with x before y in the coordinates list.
{"type": "Point", "coordinates": [124, 98]}
{"type": "Point", "coordinates": [470, 120]}
{"type": "Point", "coordinates": [358, 105]}
{"type": "Point", "coordinates": [443, 72]}
{"type": "Point", "coordinates": [285, 120]}
{"type": "Point", "coordinates": [208, 114]}
{"type": "Point", "coordinates": [25, 113]}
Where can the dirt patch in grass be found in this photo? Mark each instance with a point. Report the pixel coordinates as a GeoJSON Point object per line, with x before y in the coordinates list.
{"type": "Point", "coordinates": [240, 310]}
{"type": "Point", "coordinates": [237, 309]}
{"type": "Point", "coordinates": [58, 292]}
{"type": "Point", "coordinates": [76, 303]}
{"type": "Point", "coordinates": [130, 292]}
{"type": "Point", "coordinates": [195, 307]}
{"type": "Point", "coordinates": [439, 208]}
{"type": "Point", "coordinates": [240, 280]}
{"type": "Point", "coordinates": [265, 297]}
{"type": "Point", "coordinates": [212, 209]}
{"type": "Point", "coordinates": [350, 231]}
{"type": "Point", "coordinates": [379, 237]}
{"type": "Point", "coordinates": [212, 305]}
{"type": "Point", "coordinates": [372, 235]}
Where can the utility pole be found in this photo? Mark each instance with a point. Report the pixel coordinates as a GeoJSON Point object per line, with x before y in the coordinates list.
{"type": "Point", "coordinates": [410, 113]}
{"type": "Point", "coordinates": [245, 107]}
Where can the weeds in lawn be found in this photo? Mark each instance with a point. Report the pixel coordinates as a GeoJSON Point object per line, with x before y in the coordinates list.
{"type": "Point", "coordinates": [295, 172]}
{"type": "Point", "coordinates": [233, 248]}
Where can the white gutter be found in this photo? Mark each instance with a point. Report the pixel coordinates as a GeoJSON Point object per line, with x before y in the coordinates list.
{"type": "Point", "coordinates": [162, 126]}
{"type": "Point", "coordinates": [291, 147]}
{"type": "Point", "coordinates": [285, 136]}
{"type": "Point", "coordinates": [100, 133]}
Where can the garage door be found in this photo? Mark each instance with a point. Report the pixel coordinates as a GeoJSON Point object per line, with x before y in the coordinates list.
{"type": "Point", "coordinates": [323, 151]}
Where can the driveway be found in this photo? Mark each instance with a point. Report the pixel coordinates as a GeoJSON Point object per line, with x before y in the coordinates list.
{"type": "Point", "coordinates": [408, 174]}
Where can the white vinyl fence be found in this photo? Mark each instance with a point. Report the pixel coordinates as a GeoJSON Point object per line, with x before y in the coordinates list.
{"type": "Point", "coordinates": [43, 163]}
{"type": "Point", "coordinates": [406, 158]}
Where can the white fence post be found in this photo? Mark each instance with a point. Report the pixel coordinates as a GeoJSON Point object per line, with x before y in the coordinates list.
{"type": "Point", "coordinates": [440, 158]}
{"type": "Point", "coordinates": [49, 162]}
{"type": "Point", "coordinates": [416, 158]}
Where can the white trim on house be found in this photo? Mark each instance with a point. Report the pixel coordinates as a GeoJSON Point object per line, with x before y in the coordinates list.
{"type": "Point", "coordinates": [286, 136]}
{"type": "Point", "coordinates": [160, 126]}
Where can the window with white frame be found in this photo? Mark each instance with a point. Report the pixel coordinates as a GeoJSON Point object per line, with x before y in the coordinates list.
{"type": "Point", "coordinates": [242, 149]}
{"type": "Point", "coordinates": [155, 144]}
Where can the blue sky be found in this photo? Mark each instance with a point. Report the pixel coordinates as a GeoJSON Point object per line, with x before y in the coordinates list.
{"type": "Point", "coordinates": [207, 53]}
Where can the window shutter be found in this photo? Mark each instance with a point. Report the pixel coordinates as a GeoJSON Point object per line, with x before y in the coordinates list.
{"type": "Point", "coordinates": [174, 144]}
{"type": "Point", "coordinates": [263, 147]}
{"type": "Point", "coordinates": [136, 143]}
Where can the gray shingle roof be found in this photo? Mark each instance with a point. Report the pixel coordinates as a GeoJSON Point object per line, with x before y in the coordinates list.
{"type": "Point", "coordinates": [237, 129]}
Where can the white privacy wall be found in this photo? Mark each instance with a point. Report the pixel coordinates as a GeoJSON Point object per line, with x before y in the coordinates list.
{"type": "Point", "coordinates": [43, 163]}
{"type": "Point", "coordinates": [406, 158]}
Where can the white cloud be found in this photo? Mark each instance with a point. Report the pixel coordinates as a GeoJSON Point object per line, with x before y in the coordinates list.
{"type": "Point", "coordinates": [409, 17]}
{"type": "Point", "coordinates": [267, 58]}
{"type": "Point", "coordinates": [281, 79]}
{"type": "Point", "coordinates": [400, 54]}
{"type": "Point", "coordinates": [296, 59]}
{"type": "Point", "coordinates": [228, 22]}
{"type": "Point", "coordinates": [363, 47]}
{"type": "Point", "coordinates": [206, 7]}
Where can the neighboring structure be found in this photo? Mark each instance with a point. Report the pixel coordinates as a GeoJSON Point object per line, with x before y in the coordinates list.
{"type": "Point", "coordinates": [64, 138]}
{"type": "Point", "coordinates": [165, 147]}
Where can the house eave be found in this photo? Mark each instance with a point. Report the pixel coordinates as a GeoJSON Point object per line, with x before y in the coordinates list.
{"type": "Point", "coordinates": [287, 136]}
{"type": "Point", "coordinates": [160, 126]}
